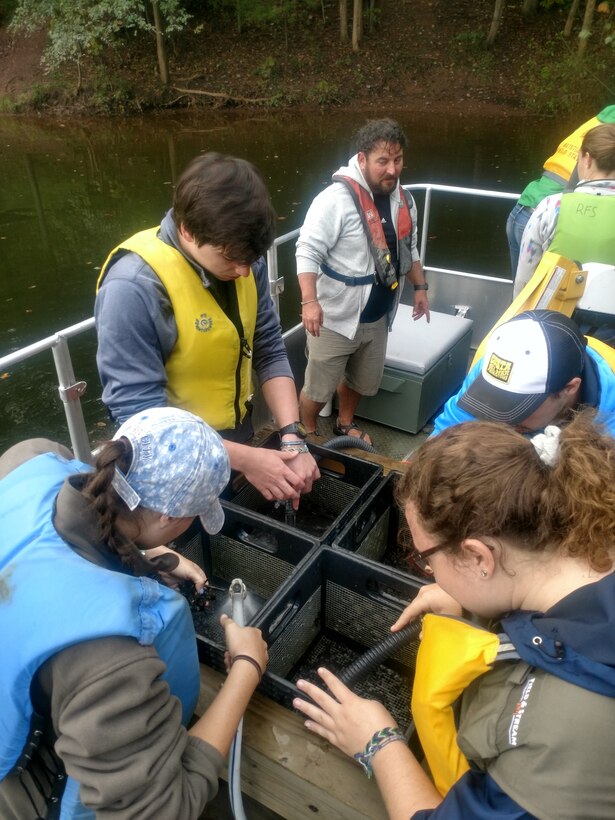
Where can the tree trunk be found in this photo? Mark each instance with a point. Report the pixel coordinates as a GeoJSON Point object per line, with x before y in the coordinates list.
{"type": "Point", "coordinates": [357, 13]}
{"type": "Point", "coordinates": [574, 8]}
{"type": "Point", "coordinates": [161, 49]}
{"type": "Point", "coordinates": [343, 21]}
{"type": "Point", "coordinates": [498, 11]}
{"type": "Point", "coordinates": [529, 8]}
{"type": "Point", "coordinates": [586, 28]}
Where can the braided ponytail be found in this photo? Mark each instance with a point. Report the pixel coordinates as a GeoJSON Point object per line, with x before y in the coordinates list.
{"type": "Point", "coordinates": [107, 503]}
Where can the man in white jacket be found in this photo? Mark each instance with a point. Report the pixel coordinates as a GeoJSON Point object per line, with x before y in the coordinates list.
{"type": "Point", "coordinates": [358, 242]}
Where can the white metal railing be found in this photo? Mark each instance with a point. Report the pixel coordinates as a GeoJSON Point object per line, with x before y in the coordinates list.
{"type": "Point", "coordinates": [71, 390]}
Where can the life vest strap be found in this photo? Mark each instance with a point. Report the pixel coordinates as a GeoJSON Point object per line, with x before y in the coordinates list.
{"type": "Point", "coordinates": [349, 281]}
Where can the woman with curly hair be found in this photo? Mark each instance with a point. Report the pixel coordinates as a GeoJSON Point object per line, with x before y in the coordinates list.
{"type": "Point", "coordinates": [520, 724]}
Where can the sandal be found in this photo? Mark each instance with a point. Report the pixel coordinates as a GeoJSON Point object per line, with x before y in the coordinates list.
{"type": "Point", "coordinates": [344, 430]}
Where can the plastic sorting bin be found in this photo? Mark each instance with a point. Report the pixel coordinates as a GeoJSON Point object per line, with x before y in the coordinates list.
{"type": "Point", "coordinates": [261, 552]}
{"type": "Point", "coordinates": [345, 480]}
{"type": "Point", "coordinates": [377, 529]}
{"type": "Point", "coordinates": [330, 611]}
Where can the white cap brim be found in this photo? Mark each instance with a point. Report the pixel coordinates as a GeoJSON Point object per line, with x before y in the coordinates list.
{"type": "Point", "coordinates": [213, 519]}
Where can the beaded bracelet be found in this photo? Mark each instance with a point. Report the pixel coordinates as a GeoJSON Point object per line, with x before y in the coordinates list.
{"type": "Point", "coordinates": [251, 660]}
{"type": "Point", "coordinates": [378, 741]}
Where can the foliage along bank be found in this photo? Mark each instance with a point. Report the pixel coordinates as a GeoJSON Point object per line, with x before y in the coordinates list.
{"type": "Point", "coordinates": [117, 56]}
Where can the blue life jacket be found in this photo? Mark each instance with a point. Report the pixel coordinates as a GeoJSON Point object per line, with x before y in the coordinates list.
{"type": "Point", "coordinates": [51, 598]}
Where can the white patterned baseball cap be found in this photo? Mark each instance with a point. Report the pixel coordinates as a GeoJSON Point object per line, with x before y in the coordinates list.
{"type": "Point", "coordinates": [179, 466]}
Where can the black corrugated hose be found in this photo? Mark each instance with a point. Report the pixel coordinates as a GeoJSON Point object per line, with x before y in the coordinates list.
{"type": "Point", "coordinates": [340, 442]}
{"type": "Point", "coordinates": [368, 660]}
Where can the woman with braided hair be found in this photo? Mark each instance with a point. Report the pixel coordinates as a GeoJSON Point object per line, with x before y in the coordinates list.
{"type": "Point", "coordinates": [517, 723]}
{"type": "Point", "coordinates": [99, 674]}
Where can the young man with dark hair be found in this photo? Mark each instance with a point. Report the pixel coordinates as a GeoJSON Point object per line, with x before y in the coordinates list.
{"type": "Point", "coordinates": [356, 246]}
{"type": "Point", "coordinates": [183, 314]}
{"type": "Point", "coordinates": [538, 367]}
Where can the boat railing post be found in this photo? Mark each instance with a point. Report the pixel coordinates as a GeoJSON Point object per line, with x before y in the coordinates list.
{"type": "Point", "coordinates": [276, 284]}
{"type": "Point", "coordinates": [425, 230]}
{"type": "Point", "coordinates": [70, 392]}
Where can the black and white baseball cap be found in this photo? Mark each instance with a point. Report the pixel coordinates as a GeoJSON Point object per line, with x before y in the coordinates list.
{"type": "Point", "coordinates": [526, 359]}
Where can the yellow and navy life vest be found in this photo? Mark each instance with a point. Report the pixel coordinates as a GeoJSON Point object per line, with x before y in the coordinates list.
{"type": "Point", "coordinates": [451, 655]}
{"type": "Point", "coordinates": [209, 371]}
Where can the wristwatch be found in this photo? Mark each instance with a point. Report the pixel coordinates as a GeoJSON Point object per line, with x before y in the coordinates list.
{"type": "Point", "coordinates": [296, 428]}
{"type": "Point", "coordinates": [424, 286]}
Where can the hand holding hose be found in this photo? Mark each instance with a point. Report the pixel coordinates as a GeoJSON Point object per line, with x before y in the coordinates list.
{"type": "Point", "coordinates": [343, 718]}
{"type": "Point", "coordinates": [243, 640]}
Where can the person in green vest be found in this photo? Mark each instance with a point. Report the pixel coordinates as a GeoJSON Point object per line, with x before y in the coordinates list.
{"type": "Point", "coordinates": [578, 224]}
{"type": "Point", "coordinates": [559, 172]}
{"type": "Point", "coordinates": [184, 318]}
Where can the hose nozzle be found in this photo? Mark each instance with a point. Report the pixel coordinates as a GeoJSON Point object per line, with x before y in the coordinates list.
{"type": "Point", "coordinates": [237, 593]}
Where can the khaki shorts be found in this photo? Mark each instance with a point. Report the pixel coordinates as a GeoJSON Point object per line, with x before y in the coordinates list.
{"type": "Point", "coordinates": [359, 362]}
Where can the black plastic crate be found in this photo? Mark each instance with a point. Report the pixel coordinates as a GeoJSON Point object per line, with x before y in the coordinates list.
{"type": "Point", "coordinates": [345, 481]}
{"type": "Point", "coordinates": [261, 552]}
{"type": "Point", "coordinates": [333, 609]}
{"type": "Point", "coordinates": [377, 529]}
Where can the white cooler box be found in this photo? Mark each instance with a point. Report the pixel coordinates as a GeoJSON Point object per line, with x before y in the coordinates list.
{"type": "Point", "coordinates": [425, 364]}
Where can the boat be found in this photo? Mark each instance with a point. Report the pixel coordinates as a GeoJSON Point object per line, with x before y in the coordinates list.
{"type": "Point", "coordinates": [285, 768]}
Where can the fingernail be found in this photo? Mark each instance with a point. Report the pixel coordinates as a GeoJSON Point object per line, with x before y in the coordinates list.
{"type": "Point", "coordinates": [300, 684]}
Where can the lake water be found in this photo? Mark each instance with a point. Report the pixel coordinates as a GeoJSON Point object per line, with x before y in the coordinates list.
{"type": "Point", "coordinates": [71, 190]}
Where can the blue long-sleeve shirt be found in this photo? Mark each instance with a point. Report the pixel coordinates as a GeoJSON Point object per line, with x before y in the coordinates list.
{"type": "Point", "coordinates": [597, 390]}
{"type": "Point", "coordinates": [137, 331]}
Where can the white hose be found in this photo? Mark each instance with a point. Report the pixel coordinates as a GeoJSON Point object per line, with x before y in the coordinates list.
{"type": "Point", "coordinates": [237, 592]}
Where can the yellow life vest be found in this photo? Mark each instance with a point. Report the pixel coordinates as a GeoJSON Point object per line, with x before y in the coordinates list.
{"type": "Point", "coordinates": [604, 350]}
{"type": "Point", "coordinates": [451, 655]}
{"type": "Point", "coordinates": [556, 284]}
{"type": "Point", "coordinates": [208, 371]}
{"type": "Point", "coordinates": [562, 163]}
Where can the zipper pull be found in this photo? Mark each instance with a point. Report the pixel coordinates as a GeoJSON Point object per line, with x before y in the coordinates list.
{"type": "Point", "coordinates": [246, 350]}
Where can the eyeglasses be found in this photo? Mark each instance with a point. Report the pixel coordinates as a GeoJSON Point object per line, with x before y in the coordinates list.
{"type": "Point", "coordinates": [419, 559]}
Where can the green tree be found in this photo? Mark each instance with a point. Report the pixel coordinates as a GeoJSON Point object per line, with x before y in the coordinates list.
{"type": "Point", "coordinates": [80, 28]}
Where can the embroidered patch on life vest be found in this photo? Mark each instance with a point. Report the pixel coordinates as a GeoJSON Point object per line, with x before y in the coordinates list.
{"type": "Point", "coordinates": [513, 729]}
{"type": "Point", "coordinates": [203, 323]}
{"type": "Point", "coordinates": [499, 369]}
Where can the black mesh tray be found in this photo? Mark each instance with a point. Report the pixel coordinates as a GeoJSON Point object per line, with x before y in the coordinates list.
{"type": "Point", "coordinates": [334, 608]}
{"type": "Point", "coordinates": [377, 529]}
{"type": "Point", "coordinates": [344, 483]}
{"type": "Point", "coordinates": [259, 551]}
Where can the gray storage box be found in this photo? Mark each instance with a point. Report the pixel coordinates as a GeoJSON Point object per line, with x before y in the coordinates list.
{"type": "Point", "coordinates": [425, 364]}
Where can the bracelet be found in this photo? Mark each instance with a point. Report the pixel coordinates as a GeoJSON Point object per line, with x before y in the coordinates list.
{"type": "Point", "coordinates": [378, 741]}
{"type": "Point", "coordinates": [251, 660]}
{"type": "Point", "coordinates": [294, 447]}
{"type": "Point", "coordinates": [308, 302]}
